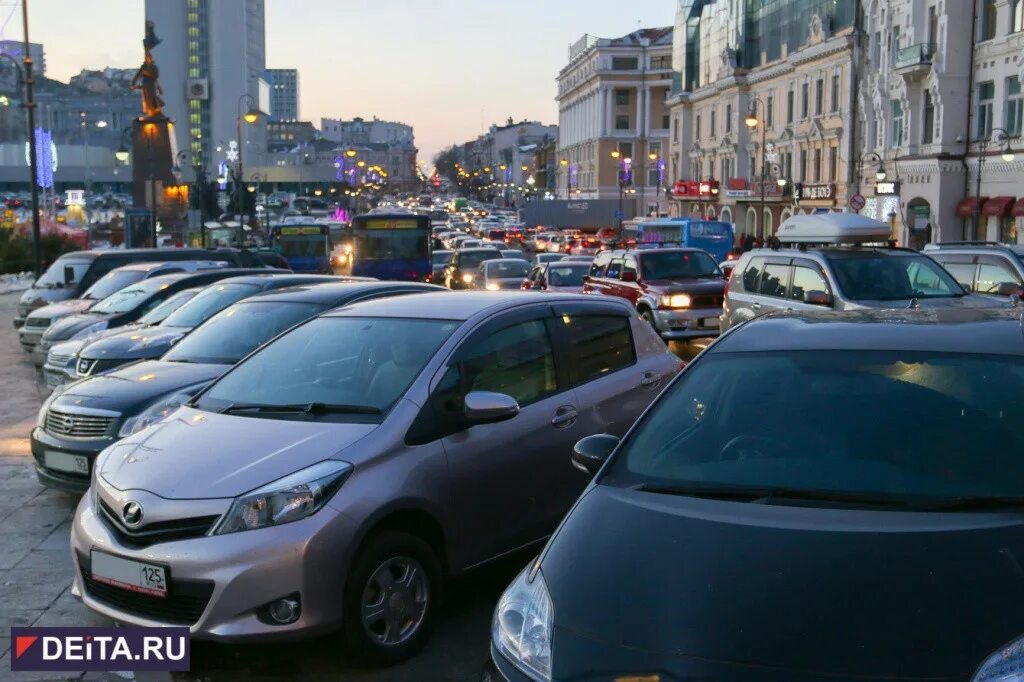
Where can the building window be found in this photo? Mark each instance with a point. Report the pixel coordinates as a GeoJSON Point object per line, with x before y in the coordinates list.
{"type": "Point", "coordinates": [753, 166]}
{"type": "Point", "coordinates": [675, 130]}
{"type": "Point", "coordinates": [819, 97]}
{"type": "Point", "coordinates": [833, 163]}
{"type": "Point", "coordinates": [664, 121]}
{"type": "Point", "coordinates": [622, 97]}
{"type": "Point", "coordinates": [622, 122]}
{"type": "Point", "coordinates": [988, 19]}
{"type": "Point", "coordinates": [661, 63]}
{"type": "Point", "coordinates": [803, 165]}
{"type": "Point", "coordinates": [897, 123]}
{"type": "Point", "coordinates": [805, 95]}
{"type": "Point", "coordinates": [874, 134]}
{"type": "Point", "coordinates": [728, 118]}
{"type": "Point", "coordinates": [697, 134]}
{"type": "Point", "coordinates": [789, 106]}
{"type": "Point", "coordinates": [625, 63]}
{"type": "Point", "coordinates": [817, 164]}
{"type": "Point", "coordinates": [928, 119]}
{"type": "Point", "coordinates": [713, 132]}
{"type": "Point", "coordinates": [986, 92]}
{"type": "Point", "coordinates": [835, 93]}
{"type": "Point", "coordinates": [1017, 17]}
{"type": "Point", "coordinates": [769, 109]}
{"type": "Point", "coordinates": [626, 150]}
{"type": "Point", "coordinates": [1014, 105]}
{"type": "Point", "coordinates": [876, 50]}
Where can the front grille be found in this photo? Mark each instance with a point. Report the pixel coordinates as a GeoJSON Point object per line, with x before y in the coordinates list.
{"type": "Point", "coordinates": [57, 360]}
{"type": "Point", "coordinates": [85, 366]}
{"type": "Point", "coordinates": [43, 322]}
{"type": "Point", "coordinates": [161, 531]}
{"type": "Point", "coordinates": [184, 604]}
{"type": "Point", "coordinates": [89, 366]}
{"type": "Point", "coordinates": [78, 425]}
{"type": "Point", "coordinates": [707, 301]}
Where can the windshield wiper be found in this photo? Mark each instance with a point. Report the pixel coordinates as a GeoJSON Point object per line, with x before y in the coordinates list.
{"type": "Point", "coordinates": [302, 408]}
{"type": "Point", "coordinates": [770, 495]}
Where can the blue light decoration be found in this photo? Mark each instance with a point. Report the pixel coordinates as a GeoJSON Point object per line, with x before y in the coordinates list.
{"type": "Point", "coordinates": [222, 174]}
{"type": "Point", "coordinates": [627, 171]}
{"type": "Point", "coordinates": [339, 163]}
{"type": "Point", "coordinates": [46, 158]}
{"type": "Point", "coordinates": [508, 175]}
{"type": "Point", "coordinates": [661, 172]}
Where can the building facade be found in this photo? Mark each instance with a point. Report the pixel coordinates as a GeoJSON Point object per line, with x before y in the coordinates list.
{"type": "Point", "coordinates": [284, 94]}
{"type": "Point", "coordinates": [761, 110]}
{"type": "Point", "coordinates": [16, 49]}
{"type": "Point", "coordinates": [362, 131]}
{"type": "Point", "coordinates": [613, 118]}
{"type": "Point", "coordinates": [212, 68]}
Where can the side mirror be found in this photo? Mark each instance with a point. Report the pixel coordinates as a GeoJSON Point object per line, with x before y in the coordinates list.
{"type": "Point", "coordinates": [69, 274]}
{"type": "Point", "coordinates": [590, 453]}
{"type": "Point", "coordinates": [1010, 289]}
{"type": "Point", "coordinates": [485, 407]}
{"type": "Point", "coordinates": [537, 286]}
{"type": "Point", "coordinates": [628, 277]}
{"type": "Point", "coordinates": [817, 298]}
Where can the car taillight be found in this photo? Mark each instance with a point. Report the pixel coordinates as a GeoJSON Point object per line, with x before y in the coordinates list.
{"type": "Point", "coordinates": [728, 280]}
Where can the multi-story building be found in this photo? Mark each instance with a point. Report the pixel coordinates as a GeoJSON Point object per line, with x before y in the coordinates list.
{"type": "Point", "coordinates": [212, 66]}
{"type": "Point", "coordinates": [283, 136]}
{"type": "Point", "coordinates": [284, 94]}
{"type": "Point", "coordinates": [613, 120]}
{"type": "Point", "coordinates": [761, 122]}
{"type": "Point", "coordinates": [16, 49]}
{"type": "Point", "coordinates": [942, 108]}
{"type": "Point", "coordinates": [362, 131]}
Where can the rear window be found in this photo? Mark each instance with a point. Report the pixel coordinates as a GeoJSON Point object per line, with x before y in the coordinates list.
{"type": "Point", "coordinates": [471, 259]}
{"type": "Point", "coordinates": [600, 345]}
{"type": "Point", "coordinates": [704, 229]}
{"type": "Point", "coordinates": [496, 234]}
{"type": "Point", "coordinates": [892, 277]}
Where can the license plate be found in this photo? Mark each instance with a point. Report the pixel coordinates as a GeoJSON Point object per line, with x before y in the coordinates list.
{"type": "Point", "coordinates": [709, 322]}
{"type": "Point", "coordinates": [133, 576]}
{"type": "Point", "coordinates": [61, 461]}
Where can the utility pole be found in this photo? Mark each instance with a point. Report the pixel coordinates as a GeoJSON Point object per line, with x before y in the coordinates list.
{"type": "Point", "coordinates": [33, 160]}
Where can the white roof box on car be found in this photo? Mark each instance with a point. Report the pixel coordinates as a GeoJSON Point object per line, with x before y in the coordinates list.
{"type": "Point", "coordinates": [833, 228]}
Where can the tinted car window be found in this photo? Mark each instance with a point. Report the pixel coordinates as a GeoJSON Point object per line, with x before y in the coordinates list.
{"type": "Point", "coordinates": [775, 280]}
{"type": "Point", "coordinates": [54, 275]}
{"type": "Point", "coordinates": [130, 297]}
{"type": "Point", "coordinates": [741, 419]}
{"type": "Point", "coordinates": [442, 257]}
{"type": "Point", "coordinates": [806, 279]}
{"type": "Point", "coordinates": [472, 259]}
{"type": "Point", "coordinates": [566, 275]}
{"type": "Point", "coordinates": [629, 265]}
{"type": "Point", "coordinates": [992, 272]}
{"type": "Point", "coordinates": [505, 269]}
{"type": "Point", "coordinates": [600, 345]}
{"type": "Point", "coordinates": [962, 273]}
{"type": "Point", "coordinates": [678, 265]}
{"type": "Point", "coordinates": [752, 275]}
{"type": "Point", "coordinates": [233, 333]}
{"type": "Point", "coordinates": [162, 311]}
{"type": "Point", "coordinates": [600, 263]}
{"type": "Point", "coordinates": [113, 282]}
{"type": "Point", "coordinates": [213, 299]}
{"type": "Point", "coordinates": [614, 268]}
{"type": "Point", "coordinates": [892, 277]}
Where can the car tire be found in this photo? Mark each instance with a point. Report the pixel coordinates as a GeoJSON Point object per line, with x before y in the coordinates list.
{"type": "Point", "coordinates": [402, 574]}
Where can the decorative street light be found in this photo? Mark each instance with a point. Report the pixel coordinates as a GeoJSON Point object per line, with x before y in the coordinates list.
{"type": "Point", "coordinates": [752, 122]}
{"type": "Point", "coordinates": [250, 116]}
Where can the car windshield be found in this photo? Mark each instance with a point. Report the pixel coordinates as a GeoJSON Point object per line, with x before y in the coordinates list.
{"type": "Point", "coordinates": [130, 297]}
{"type": "Point", "coordinates": [112, 282]}
{"type": "Point", "coordinates": [367, 363]}
{"type": "Point", "coordinates": [442, 257]}
{"type": "Point", "coordinates": [678, 265]}
{"type": "Point", "coordinates": [513, 254]}
{"type": "Point", "coordinates": [161, 312]}
{"type": "Point", "coordinates": [54, 275]}
{"type": "Point", "coordinates": [567, 275]}
{"type": "Point", "coordinates": [302, 246]}
{"type": "Point", "coordinates": [212, 300]}
{"type": "Point", "coordinates": [901, 424]}
{"type": "Point", "coordinates": [891, 277]}
{"type": "Point", "coordinates": [472, 259]}
{"type": "Point", "coordinates": [506, 269]}
{"type": "Point", "coordinates": [233, 333]}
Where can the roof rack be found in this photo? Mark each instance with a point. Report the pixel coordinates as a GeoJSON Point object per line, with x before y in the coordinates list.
{"type": "Point", "coordinates": [942, 245]}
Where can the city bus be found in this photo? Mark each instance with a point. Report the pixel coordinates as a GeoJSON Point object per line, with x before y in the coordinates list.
{"type": "Point", "coordinates": [713, 236]}
{"type": "Point", "coordinates": [307, 248]}
{"type": "Point", "coordinates": [392, 247]}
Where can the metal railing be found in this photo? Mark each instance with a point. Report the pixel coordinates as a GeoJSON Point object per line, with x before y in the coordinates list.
{"type": "Point", "coordinates": [914, 55]}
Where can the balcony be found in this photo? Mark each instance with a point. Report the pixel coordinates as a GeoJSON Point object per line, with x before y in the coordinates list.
{"type": "Point", "coordinates": [914, 61]}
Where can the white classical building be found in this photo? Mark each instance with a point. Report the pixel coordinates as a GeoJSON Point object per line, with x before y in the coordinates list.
{"type": "Point", "coordinates": [611, 99]}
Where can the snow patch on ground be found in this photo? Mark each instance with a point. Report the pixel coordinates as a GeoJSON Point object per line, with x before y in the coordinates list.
{"type": "Point", "coordinates": [15, 282]}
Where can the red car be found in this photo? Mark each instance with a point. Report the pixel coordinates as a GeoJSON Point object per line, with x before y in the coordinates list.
{"type": "Point", "coordinates": [678, 291]}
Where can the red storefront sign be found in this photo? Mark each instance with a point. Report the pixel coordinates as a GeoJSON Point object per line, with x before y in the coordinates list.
{"type": "Point", "coordinates": [695, 189]}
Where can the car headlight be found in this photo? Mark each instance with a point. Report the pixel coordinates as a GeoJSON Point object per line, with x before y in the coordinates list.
{"type": "Point", "coordinates": [91, 329]}
{"type": "Point", "coordinates": [522, 625]}
{"type": "Point", "coordinates": [467, 278]}
{"type": "Point", "coordinates": [156, 412]}
{"type": "Point", "coordinates": [1005, 665]}
{"type": "Point", "coordinates": [491, 286]}
{"type": "Point", "coordinates": [675, 301]}
{"type": "Point", "coordinates": [41, 417]}
{"type": "Point", "coordinates": [288, 499]}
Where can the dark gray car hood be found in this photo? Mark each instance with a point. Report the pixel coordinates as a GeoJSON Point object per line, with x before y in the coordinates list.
{"type": "Point", "coordinates": [131, 389]}
{"type": "Point", "coordinates": [135, 343]}
{"type": "Point", "coordinates": [197, 454]}
{"type": "Point", "coordinates": [968, 301]}
{"type": "Point", "coordinates": [55, 311]}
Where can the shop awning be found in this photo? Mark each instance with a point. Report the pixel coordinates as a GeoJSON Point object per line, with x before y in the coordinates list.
{"type": "Point", "coordinates": [997, 206]}
{"type": "Point", "coordinates": [1018, 209]}
{"type": "Point", "coordinates": [968, 205]}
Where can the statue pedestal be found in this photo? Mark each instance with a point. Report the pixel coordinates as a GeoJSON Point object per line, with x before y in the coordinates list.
{"type": "Point", "coordinates": [152, 165]}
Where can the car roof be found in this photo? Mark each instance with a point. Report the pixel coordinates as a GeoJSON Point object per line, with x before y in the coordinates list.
{"type": "Point", "coordinates": [464, 305]}
{"type": "Point", "coordinates": [838, 251]}
{"type": "Point", "coordinates": [657, 249]}
{"type": "Point", "coordinates": [329, 293]}
{"type": "Point", "coordinates": [278, 280]}
{"type": "Point", "coordinates": [997, 331]}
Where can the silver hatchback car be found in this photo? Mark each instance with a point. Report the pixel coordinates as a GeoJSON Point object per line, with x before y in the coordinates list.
{"type": "Point", "coordinates": [339, 474]}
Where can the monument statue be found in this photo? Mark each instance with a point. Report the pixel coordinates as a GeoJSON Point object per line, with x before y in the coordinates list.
{"type": "Point", "coordinates": [147, 78]}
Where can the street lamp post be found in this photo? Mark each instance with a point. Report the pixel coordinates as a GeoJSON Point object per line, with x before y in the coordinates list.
{"type": "Point", "coordinates": [250, 116]}
{"type": "Point", "coordinates": [752, 122]}
{"type": "Point", "coordinates": [874, 159]}
{"type": "Point", "coordinates": [998, 136]}
{"type": "Point", "coordinates": [564, 164]}
{"type": "Point", "coordinates": [257, 189]}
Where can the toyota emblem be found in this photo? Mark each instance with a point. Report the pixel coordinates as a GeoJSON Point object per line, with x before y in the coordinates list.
{"type": "Point", "coordinates": [131, 512]}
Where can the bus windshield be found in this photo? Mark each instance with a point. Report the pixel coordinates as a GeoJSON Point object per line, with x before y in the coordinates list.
{"type": "Point", "coordinates": [392, 247]}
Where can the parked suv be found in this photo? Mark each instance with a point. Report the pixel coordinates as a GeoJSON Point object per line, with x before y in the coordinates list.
{"type": "Point", "coordinates": [461, 271]}
{"type": "Point", "coordinates": [982, 267]}
{"type": "Point", "coordinates": [677, 291]}
{"type": "Point", "coordinates": [338, 475]}
{"type": "Point", "coordinates": [842, 275]}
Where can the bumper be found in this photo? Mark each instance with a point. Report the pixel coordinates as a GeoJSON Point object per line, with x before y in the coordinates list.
{"type": "Point", "coordinates": [29, 337]}
{"type": "Point", "coordinates": [43, 442]}
{"type": "Point", "coordinates": [498, 669]}
{"type": "Point", "coordinates": [687, 324]}
{"type": "Point", "coordinates": [19, 322]}
{"type": "Point", "coordinates": [218, 585]}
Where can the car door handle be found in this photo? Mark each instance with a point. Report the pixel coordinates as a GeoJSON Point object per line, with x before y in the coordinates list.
{"type": "Point", "coordinates": [650, 379]}
{"type": "Point", "coordinates": [565, 416]}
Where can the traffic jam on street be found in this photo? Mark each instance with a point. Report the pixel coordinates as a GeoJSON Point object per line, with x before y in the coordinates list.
{"type": "Point", "coordinates": [542, 411]}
